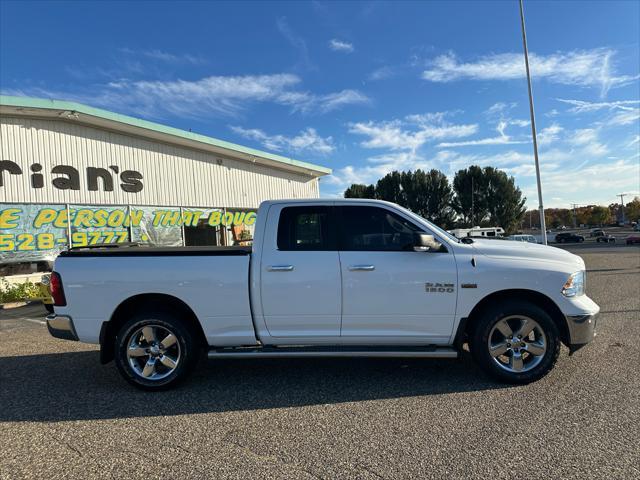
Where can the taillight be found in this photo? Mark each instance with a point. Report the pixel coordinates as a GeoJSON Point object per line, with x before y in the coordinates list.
{"type": "Point", "coordinates": [57, 292]}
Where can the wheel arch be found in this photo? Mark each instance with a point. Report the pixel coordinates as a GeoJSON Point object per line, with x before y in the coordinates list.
{"type": "Point", "coordinates": [540, 299]}
{"type": "Point", "coordinates": [140, 303]}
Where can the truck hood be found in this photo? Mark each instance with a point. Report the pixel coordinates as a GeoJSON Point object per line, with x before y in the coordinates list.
{"type": "Point", "coordinates": [527, 251]}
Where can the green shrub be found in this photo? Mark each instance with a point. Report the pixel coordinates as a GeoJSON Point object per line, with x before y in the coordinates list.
{"type": "Point", "coordinates": [17, 292]}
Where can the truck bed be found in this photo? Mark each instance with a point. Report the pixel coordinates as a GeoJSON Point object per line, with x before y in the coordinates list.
{"type": "Point", "coordinates": [140, 251]}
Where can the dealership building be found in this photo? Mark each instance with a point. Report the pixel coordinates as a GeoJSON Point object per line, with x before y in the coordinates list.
{"type": "Point", "coordinates": [76, 175]}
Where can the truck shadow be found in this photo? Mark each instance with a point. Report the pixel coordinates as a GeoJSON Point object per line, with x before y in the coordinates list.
{"type": "Point", "coordinates": [74, 386]}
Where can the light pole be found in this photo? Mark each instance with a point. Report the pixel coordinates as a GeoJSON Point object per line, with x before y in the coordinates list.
{"type": "Point", "coordinates": [622, 195]}
{"type": "Point", "coordinates": [543, 225]}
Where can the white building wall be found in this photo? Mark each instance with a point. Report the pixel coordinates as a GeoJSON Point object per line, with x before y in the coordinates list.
{"type": "Point", "coordinates": [172, 175]}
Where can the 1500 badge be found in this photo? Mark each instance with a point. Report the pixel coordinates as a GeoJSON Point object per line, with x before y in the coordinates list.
{"type": "Point", "coordinates": [439, 287]}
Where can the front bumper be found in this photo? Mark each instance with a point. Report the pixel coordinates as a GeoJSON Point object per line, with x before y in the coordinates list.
{"type": "Point", "coordinates": [61, 326]}
{"type": "Point", "coordinates": [582, 329]}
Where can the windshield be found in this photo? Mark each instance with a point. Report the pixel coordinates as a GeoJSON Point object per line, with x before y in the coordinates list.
{"type": "Point", "coordinates": [433, 227]}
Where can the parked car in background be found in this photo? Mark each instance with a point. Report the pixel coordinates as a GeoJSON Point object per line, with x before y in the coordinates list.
{"type": "Point", "coordinates": [605, 237]}
{"type": "Point", "coordinates": [596, 232]}
{"type": "Point", "coordinates": [523, 238]}
{"type": "Point", "coordinates": [631, 239]}
{"type": "Point", "coordinates": [568, 237]}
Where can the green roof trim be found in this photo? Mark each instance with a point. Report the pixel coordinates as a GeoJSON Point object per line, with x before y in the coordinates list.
{"type": "Point", "coordinates": [28, 102]}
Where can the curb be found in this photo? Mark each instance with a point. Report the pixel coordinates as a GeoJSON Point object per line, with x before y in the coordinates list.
{"type": "Point", "coordinates": [12, 305]}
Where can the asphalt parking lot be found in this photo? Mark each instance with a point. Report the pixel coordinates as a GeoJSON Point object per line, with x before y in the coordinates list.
{"type": "Point", "coordinates": [63, 415]}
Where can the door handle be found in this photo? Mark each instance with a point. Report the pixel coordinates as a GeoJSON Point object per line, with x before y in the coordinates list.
{"type": "Point", "coordinates": [362, 268]}
{"type": "Point", "coordinates": [280, 268]}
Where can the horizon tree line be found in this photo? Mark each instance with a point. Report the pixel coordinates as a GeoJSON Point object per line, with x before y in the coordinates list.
{"type": "Point", "coordinates": [476, 197]}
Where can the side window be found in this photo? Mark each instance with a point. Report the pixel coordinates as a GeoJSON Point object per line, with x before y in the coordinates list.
{"type": "Point", "coordinates": [375, 229]}
{"type": "Point", "coordinates": [305, 228]}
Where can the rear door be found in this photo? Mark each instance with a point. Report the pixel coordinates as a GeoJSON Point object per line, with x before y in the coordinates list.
{"type": "Point", "coordinates": [391, 292]}
{"type": "Point", "coordinates": [300, 273]}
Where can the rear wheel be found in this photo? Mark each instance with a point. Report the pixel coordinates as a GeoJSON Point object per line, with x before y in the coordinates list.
{"type": "Point", "coordinates": [155, 351]}
{"type": "Point", "coordinates": [515, 342]}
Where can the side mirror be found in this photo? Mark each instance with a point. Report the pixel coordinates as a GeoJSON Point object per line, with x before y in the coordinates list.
{"type": "Point", "coordinates": [423, 242]}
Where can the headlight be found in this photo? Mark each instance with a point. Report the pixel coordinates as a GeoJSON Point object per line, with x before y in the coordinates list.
{"type": "Point", "coordinates": [574, 286]}
{"type": "Point", "coordinates": [45, 279]}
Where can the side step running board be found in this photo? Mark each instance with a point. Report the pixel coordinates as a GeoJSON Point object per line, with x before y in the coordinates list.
{"type": "Point", "coordinates": [288, 352]}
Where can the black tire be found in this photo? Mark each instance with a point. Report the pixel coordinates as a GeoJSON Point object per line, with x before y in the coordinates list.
{"type": "Point", "coordinates": [48, 307]}
{"type": "Point", "coordinates": [185, 344]}
{"type": "Point", "coordinates": [479, 342]}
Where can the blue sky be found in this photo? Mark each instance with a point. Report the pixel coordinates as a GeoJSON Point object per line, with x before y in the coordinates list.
{"type": "Point", "coordinates": [363, 88]}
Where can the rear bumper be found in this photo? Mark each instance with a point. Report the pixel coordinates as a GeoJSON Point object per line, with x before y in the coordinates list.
{"type": "Point", "coordinates": [61, 326]}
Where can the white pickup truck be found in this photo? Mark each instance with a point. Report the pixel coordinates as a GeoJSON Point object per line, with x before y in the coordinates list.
{"type": "Point", "coordinates": [325, 278]}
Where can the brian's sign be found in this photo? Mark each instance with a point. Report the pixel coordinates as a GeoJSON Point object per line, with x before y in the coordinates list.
{"type": "Point", "coordinates": [66, 177]}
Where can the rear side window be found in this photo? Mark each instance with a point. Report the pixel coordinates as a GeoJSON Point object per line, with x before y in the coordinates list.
{"type": "Point", "coordinates": [375, 229]}
{"type": "Point", "coordinates": [305, 228]}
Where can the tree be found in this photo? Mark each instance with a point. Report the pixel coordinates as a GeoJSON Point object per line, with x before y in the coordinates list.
{"type": "Point", "coordinates": [390, 188]}
{"type": "Point", "coordinates": [360, 191]}
{"type": "Point", "coordinates": [428, 194]}
{"type": "Point", "coordinates": [600, 215]}
{"type": "Point", "coordinates": [504, 200]}
{"type": "Point", "coordinates": [470, 200]}
{"type": "Point", "coordinates": [632, 210]}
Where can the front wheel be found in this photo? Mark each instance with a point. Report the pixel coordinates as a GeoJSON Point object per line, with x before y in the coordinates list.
{"type": "Point", "coordinates": [515, 342]}
{"type": "Point", "coordinates": [155, 351]}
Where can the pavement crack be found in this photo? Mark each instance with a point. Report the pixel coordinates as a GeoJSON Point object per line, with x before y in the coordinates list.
{"type": "Point", "coordinates": [228, 439]}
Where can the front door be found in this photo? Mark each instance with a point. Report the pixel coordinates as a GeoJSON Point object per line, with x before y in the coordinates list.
{"type": "Point", "coordinates": [300, 274]}
{"type": "Point", "coordinates": [389, 291]}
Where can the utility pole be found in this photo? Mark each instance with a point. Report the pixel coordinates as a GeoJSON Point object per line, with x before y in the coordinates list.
{"type": "Point", "coordinates": [543, 225]}
{"type": "Point", "coordinates": [622, 195]}
{"type": "Point", "coordinates": [472, 202]}
{"type": "Point", "coordinates": [575, 217]}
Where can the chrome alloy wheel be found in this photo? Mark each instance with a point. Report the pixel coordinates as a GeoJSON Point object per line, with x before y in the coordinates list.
{"type": "Point", "coordinates": [517, 343]}
{"type": "Point", "coordinates": [153, 352]}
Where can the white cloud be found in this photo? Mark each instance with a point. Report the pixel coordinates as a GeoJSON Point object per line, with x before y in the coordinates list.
{"type": "Point", "coordinates": [334, 101]}
{"type": "Point", "coordinates": [588, 68]}
{"type": "Point", "coordinates": [410, 133]}
{"type": "Point", "coordinates": [587, 139]}
{"type": "Point", "coordinates": [584, 136]}
{"type": "Point", "coordinates": [297, 42]}
{"type": "Point", "coordinates": [501, 139]}
{"type": "Point", "coordinates": [580, 106]}
{"type": "Point", "coordinates": [382, 73]}
{"type": "Point", "coordinates": [215, 95]}
{"type": "Point", "coordinates": [549, 134]}
{"type": "Point", "coordinates": [634, 141]}
{"type": "Point", "coordinates": [595, 183]}
{"type": "Point", "coordinates": [624, 112]}
{"type": "Point", "coordinates": [500, 108]}
{"type": "Point", "coordinates": [340, 46]}
{"type": "Point", "coordinates": [625, 118]}
{"type": "Point", "coordinates": [307, 140]}
{"type": "Point", "coordinates": [376, 168]}
{"type": "Point", "coordinates": [166, 57]}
